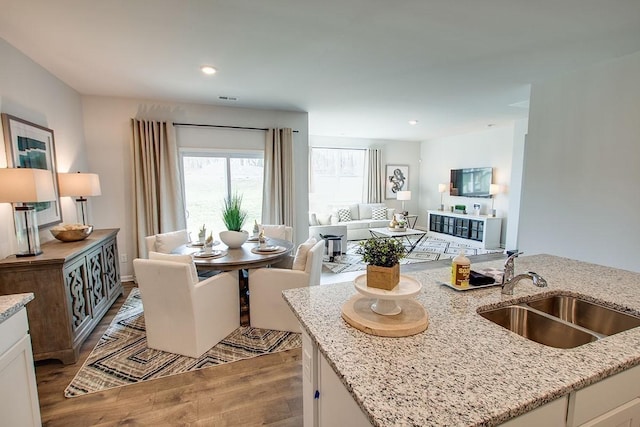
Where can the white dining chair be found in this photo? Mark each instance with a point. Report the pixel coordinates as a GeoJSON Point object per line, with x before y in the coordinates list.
{"type": "Point", "coordinates": [182, 315]}
{"type": "Point", "coordinates": [267, 308]}
{"type": "Point", "coordinates": [282, 232]}
{"type": "Point", "coordinates": [166, 242]}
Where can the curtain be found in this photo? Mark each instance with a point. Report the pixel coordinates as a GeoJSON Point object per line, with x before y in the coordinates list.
{"type": "Point", "coordinates": [158, 201]}
{"type": "Point", "coordinates": [375, 180]}
{"type": "Point", "coordinates": [278, 205]}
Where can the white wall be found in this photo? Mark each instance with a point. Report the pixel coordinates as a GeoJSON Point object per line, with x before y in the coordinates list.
{"type": "Point", "coordinates": [107, 129]}
{"type": "Point", "coordinates": [393, 152]}
{"type": "Point", "coordinates": [580, 196]}
{"type": "Point", "coordinates": [31, 93]}
{"type": "Point", "coordinates": [490, 148]}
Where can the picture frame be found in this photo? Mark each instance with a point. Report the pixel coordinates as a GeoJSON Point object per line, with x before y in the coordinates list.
{"type": "Point", "coordinates": [396, 179]}
{"type": "Point", "coordinates": [29, 145]}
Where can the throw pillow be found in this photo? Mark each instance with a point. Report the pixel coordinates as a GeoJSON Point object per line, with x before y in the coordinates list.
{"type": "Point", "coordinates": [183, 259]}
{"type": "Point", "coordinates": [344, 215]}
{"type": "Point", "coordinates": [324, 219]}
{"type": "Point", "coordinates": [379, 213]}
{"type": "Point", "coordinates": [300, 260]}
{"type": "Point", "coordinates": [166, 242]}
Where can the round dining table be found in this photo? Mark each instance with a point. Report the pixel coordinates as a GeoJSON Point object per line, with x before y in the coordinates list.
{"type": "Point", "coordinates": [242, 259]}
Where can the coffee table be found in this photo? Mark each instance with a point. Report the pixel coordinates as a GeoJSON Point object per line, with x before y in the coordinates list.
{"type": "Point", "coordinates": [402, 236]}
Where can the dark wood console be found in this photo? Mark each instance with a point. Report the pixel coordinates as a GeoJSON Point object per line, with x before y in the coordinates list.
{"type": "Point", "coordinates": [74, 284]}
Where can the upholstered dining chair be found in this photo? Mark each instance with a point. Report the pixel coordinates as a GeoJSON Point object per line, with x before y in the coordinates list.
{"type": "Point", "coordinates": [283, 232]}
{"type": "Point", "coordinates": [182, 315]}
{"type": "Point", "coordinates": [166, 242]}
{"type": "Point", "coordinates": [267, 308]}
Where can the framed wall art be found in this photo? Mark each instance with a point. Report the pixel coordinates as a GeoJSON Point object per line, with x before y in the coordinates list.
{"type": "Point", "coordinates": [32, 146]}
{"type": "Point", "coordinates": [397, 179]}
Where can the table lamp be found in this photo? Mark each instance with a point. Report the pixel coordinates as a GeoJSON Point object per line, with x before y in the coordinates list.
{"type": "Point", "coordinates": [404, 195]}
{"type": "Point", "coordinates": [493, 190]}
{"type": "Point", "coordinates": [80, 185]}
{"type": "Point", "coordinates": [442, 188]}
{"type": "Point", "coordinates": [22, 186]}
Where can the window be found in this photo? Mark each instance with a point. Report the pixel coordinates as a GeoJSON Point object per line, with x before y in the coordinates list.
{"type": "Point", "coordinates": [211, 176]}
{"type": "Point", "coordinates": [337, 177]}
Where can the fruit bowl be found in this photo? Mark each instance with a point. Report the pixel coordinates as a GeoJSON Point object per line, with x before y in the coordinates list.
{"type": "Point", "coordinates": [71, 233]}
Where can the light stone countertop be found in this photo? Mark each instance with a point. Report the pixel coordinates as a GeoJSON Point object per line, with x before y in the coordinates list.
{"type": "Point", "coordinates": [464, 369]}
{"type": "Point", "coordinates": [11, 304]}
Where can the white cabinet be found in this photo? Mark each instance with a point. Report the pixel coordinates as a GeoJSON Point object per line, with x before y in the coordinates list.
{"type": "Point", "coordinates": [18, 392]}
{"type": "Point", "coordinates": [478, 231]}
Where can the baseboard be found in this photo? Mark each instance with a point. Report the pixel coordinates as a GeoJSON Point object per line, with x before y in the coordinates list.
{"type": "Point", "coordinates": [127, 278]}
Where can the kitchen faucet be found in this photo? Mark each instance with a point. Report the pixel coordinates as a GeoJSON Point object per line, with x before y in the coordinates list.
{"type": "Point", "coordinates": [509, 279]}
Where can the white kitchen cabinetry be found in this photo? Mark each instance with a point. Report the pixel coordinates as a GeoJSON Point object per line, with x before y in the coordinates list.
{"type": "Point", "coordinates": [18, 392]}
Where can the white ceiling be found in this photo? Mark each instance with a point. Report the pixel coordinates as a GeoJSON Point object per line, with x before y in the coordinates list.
{"type": "Point", "coordinates": [361, 68]}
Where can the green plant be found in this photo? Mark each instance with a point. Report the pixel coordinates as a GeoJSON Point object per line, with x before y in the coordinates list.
{"type": "Point", "coordinates": [381, 252]}
{"type": "Point", "coordinates": [233, 215]}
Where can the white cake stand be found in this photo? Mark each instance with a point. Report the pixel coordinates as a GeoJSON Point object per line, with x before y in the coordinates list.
{"type": "Point", "coordinates": [386, 301]}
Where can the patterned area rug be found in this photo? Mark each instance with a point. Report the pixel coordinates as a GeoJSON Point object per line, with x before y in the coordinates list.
{"type": "Point", "coordinates": [122, 357]}
{"type": "Point", "coordinates": [429, 249]}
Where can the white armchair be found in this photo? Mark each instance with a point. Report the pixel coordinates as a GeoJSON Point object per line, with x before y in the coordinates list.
{"type": "Point", "coordinates": [166, 242]}
{"type": "Point", "coordinates": [182, 315]}
{"type": "Point", "coordinates": [283, 232]}
{"type": "Point", "coordinates": [267, 308]}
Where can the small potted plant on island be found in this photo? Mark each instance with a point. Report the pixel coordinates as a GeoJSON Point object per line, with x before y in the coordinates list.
{"type": "Point", "coordinates": [234, 217]}
{"type": "Point", "coordinates": [382, 256]}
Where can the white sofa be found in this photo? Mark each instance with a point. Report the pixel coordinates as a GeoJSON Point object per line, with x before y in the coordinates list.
{"type": "Point", "coordinates": [355, 228]}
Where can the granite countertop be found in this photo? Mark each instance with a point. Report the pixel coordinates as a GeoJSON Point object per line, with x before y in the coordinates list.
{"type": "Point", "coordinates": [11, 304]}
{"type": "Point", "coordinates": [464, 369]}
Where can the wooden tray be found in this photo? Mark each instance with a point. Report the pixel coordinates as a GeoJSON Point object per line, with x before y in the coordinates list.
{"type": "Point", "coordinates": [412, 320]}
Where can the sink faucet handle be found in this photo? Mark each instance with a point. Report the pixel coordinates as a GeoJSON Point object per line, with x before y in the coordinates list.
{"type": "Point", "coordinates": [509, 267]}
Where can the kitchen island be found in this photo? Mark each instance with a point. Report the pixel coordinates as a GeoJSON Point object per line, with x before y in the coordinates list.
{"type": "Point", "coordinates": [464, 369]}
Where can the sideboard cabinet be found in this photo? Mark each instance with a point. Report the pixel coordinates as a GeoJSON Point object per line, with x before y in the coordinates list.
{"type": "Point", "coordinates": [74, 284]}
{"type": "Point", "coordinates": [479, 231]}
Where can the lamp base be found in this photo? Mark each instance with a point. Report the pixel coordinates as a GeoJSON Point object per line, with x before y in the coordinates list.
{"type": "Point", "coordinates": [441, 208]}
{"type": "Point", "coordinates": [492, 213]}
{"type": "Point", "coordinates": [27, 231]}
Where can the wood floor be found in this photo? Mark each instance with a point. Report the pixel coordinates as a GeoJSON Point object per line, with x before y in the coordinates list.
{"type": "Point", "coordinates": [265, 390]}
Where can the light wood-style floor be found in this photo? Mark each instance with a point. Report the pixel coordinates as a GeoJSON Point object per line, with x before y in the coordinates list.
{"type": "Point", "coordinates": [265, 390]}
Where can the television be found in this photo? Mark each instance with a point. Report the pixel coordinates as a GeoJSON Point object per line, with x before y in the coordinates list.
{"type": "Point", "coordinates": [471, 182]}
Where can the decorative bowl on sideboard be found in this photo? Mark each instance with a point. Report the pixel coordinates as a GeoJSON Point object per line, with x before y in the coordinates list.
{"type": "Point", "coordinates": [71, 233]}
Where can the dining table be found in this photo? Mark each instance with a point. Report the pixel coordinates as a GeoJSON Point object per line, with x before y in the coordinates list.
{"type": "Point", "coordinates": [248, 256]}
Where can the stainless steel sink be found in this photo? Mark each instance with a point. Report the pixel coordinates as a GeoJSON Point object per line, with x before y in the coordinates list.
{"type": "Point", "coordinates": [561, 321]}
{"type": "Point", "coordinates": [583, 313]}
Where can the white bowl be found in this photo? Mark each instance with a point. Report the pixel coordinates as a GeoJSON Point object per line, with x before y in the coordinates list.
{"type": "Point", "coordinates": [234, 239]}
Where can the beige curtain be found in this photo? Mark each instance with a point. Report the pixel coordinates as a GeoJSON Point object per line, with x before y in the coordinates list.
{"type": "Point", "coordinates": [158, 202]}
{"type": "Point", "coordinates": [278, 206]}
{"type": "Point", "coordinates": [375, 180]}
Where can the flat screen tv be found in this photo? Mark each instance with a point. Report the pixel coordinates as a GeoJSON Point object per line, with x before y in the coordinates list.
{"type": "Point", "coordinates": [471, 182]}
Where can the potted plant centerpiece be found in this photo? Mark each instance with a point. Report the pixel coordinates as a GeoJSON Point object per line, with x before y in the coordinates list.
{"type": "Point", "coordinates": [382, 256]}
{"type": "Point", "coordinates": [233, 217]}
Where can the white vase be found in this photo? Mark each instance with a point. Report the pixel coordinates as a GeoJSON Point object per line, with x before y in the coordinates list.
{"type": "Point", "coordinates": [234, 239]}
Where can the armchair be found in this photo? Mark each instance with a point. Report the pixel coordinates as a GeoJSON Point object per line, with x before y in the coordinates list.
{"type": "Point", "coordinates": [283, 232]}
{"type": "Point", "coordinates": [166, 242]}
{"type": "Point", "coordinates": [267, 308]}
{"type": "Point", "coordinates": [182, 315]}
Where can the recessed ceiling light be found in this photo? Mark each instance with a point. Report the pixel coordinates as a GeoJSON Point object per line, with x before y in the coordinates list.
{"type": "Point", "coordinates": [413, 122]}
{"type": "Point", "coordinates": [208, 70]}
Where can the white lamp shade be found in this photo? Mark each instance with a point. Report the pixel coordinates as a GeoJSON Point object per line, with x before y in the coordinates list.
{"type": "Point", "coordinates": [404, 195]}
{"type": "Point", "coordinates": [25, 185]}
{"type": "Point", "coordinates": [442, 188]}
{"type": "Point", "coordinates": [494, 189]}
{"type": "Point", "coordinates": [79, 184]}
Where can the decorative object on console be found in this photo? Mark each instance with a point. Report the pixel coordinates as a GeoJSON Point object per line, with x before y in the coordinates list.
{"type": "Point", "coordinates": [29, 145]}
{"type": "Point", "coordinates": [397, 179]}
{"type": "Point", "coordinates": [234, 217]}
{"type": "Point", "coordinates": [442, 188]}
{"type": "Point", "coordinates": [460, 209]}
{"type": "Point", "coordinates": [80, 185]}
{"type": "Point", "coordinates": [494, 189]}
{"type": "Point", "coordinates": [71, 232]}
{"type": "Point", "coordinates": [404, 195]}
{"type": "Point", "coordinates": [18, 185]}
{"type": "Point", "coordinates": [382, 256]}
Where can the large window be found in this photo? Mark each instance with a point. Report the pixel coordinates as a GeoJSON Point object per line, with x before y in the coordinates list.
{"type": "Point", "coordinates": [210, 176]}
{"type": "Point", "coordinates": [337, 177]}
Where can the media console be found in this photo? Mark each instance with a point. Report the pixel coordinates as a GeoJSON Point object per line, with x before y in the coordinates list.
{"type": "Point", "coordinates": [480, 231]}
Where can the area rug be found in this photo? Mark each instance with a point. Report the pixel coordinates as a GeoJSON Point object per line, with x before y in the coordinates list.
{"type": "Point", "coordinates": [122, 357]}
{"type": "Point", "coordinates": [429, 249]}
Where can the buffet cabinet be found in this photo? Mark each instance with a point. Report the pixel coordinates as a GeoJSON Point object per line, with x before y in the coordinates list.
{"type": "Point", "coordinates": [74, 284]}
{"type": "Point", "coordinates": [476, 230]}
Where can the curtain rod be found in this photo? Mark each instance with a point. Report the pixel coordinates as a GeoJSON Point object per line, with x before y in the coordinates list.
{"type": "Point", "coordinates": [222, 126]}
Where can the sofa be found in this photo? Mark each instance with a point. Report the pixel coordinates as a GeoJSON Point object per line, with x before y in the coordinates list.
{"type": "Point", "coordinates": [352, 222]}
